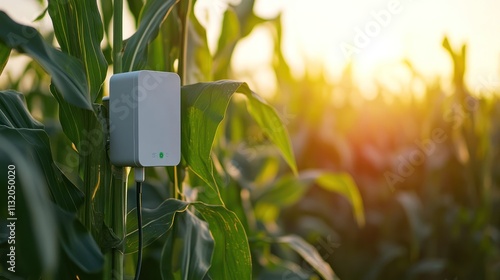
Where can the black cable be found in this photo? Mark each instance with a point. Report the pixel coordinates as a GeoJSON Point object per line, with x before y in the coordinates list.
{"type": "Point", "coordinates": [139, 228]}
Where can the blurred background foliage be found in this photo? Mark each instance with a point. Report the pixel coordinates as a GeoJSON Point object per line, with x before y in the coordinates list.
{"type": "Point", "coordinates": [431, 205]}
{"type": "Point", "coordinates": [426, 209]}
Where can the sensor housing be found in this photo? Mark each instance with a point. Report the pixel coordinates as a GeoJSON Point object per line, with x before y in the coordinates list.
{"type": "Point", "coordinates": [145, 119]}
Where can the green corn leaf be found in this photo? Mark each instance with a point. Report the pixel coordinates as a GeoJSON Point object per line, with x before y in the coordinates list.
{"type": "Point", "coordinates": [208, 188]}
{"type": "Point", "coordinates": [284, 269]}
{"type": "Point", "coordinates": [67, 72]}
{"type": "Point", "coordinates": [13, 111]}
{"type": "Point", "coordinates": [204, 106]}
{"type": "Point", "coordinates": [231, 258]}
{"type": "Point", "coordinates": [107, 15]}
{"type": "Point", "coordinates": [309, 254]}
{"type": "Point", "coordinates": [164, 49]}
{"type": "Point", "coordinates": [288, 190]}
{"type": "Point", "coordinates": [78, 244]}
{"type": "Point", "coordinates": [187, 252]}
{"type": "Point", "coordinates": [156, 223]}
{"type": "Point", "coordinates": [135, 7]}
{"type": "Point", "coordinates": [25, 133]}
{"type": "Point", "coordinates": [23, 130]}
{"type": "Point", "coordinates": [152, 16]}
{"type": "Point", "coordinates": [62, 191]}
{"type": "Point", "coordinates": [238, 22]}
{"type": "Point", "coordinates": [41, 15]}
{"type": "Point", "coordinates": [231, 255]}
{"type": "Point", "coordinates": [79, 31]}
{"type": "Point", "coordinates": [270, 122]}
{"type": "Point", "coordinates": [280, 64]}
{"type": "Point", "coordinates": [230, 34]}
{"type": "Point", "coordinates": [81, 126]}
{"type": "Point", "coordinates": [199, 59]}
{"type": "Point", "coordinates": [4, 56]}
{"type": "Point", "coordinates": [248, 19]}
{"type": "Point", "coordinates": [70, 117]}
{"type": "Point", "coordinates": [344, 184]}
{"type": "Point", "coordinates": [33, 210]}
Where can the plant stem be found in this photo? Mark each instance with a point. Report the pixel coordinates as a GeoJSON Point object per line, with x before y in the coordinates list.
{"type": "Point", "coordinates": [87, 168]}
{"type": "Point", "coordinates": [89, 164]}
{"type": "Point", "coordinates": [117, 36]}
{"type": "Point", "coordinates": [106, 194]}
{"type": "Point", "coordinates": [120, 174]}
{"type": "Point", "coordinates": [119, 185]}
{"type": "Point", "coordinates": [185, 10]}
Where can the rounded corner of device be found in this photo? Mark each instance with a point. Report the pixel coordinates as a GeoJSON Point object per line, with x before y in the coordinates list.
{"type": "Point", "coordinates": [177, 77]}
{"type": "Point", "coordinates": [177, 161]}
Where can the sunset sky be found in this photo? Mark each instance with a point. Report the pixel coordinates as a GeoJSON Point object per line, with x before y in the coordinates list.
{"type": "Point", "coordinates": [318, 31]}
{"type": "Point", "coordinates": [375, 34]}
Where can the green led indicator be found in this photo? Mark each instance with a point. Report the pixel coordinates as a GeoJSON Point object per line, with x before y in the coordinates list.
{"type": "Point", "coordinates": [161, 154]}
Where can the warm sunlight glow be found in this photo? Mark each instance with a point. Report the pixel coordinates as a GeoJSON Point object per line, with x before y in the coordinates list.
{"type": "Point", "coordinates": [372, 35]}
{"type": "Point", "coordinates": [375, 35]}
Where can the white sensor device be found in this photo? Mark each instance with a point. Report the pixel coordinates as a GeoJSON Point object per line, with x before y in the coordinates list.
{"type": "Point", "coordinates": [145, 119]}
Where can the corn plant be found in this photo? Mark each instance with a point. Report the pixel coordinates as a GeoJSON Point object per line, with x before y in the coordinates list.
{"type": "Point", "coordinates": [73, 220]}
{"type": "Point", "coordinates": [437, 220]}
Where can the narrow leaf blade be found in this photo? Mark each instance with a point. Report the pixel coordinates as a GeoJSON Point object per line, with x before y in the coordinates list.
{"type": "Point", "coordinates": [63, 192]}
{"type": "Point", "coordinates": [309, 254]}
{"type": "Point", "coordinates": [79, 31]}
{"type": "Point", "coordinates": [4, 56]}
{"type": "Point", "coordinates": [33, 210]}
{"type": "Point", "coordinates": [66, 71]}
{"type": "Point", "coordinates": [152, 15]}
{"type": "Point", "coordinates": [344, 184]}
{"type": "Point", "coordinates": [13, 111]}
{"type": "Point", "coordinates": [231, 258]}
{"type": "Point", "coordinates": [78, 244]}
{"type": "Point", "coordinates": [156, 223]}
{"type": "Point", "coordinates": [199, 59]}
{"type": "Point", "coordinates": [204, 106]}
{"type": "Point", "coordinates": [203, 109]}
{"type": "Point", "coordinates": [188, 249]}
{"type": "Point", "coordinates": [273, 126]}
